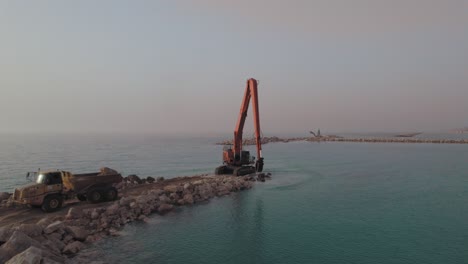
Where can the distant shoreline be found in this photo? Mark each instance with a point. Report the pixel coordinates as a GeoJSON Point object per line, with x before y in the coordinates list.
{"type": "Point", "coordinates": [267, 140]}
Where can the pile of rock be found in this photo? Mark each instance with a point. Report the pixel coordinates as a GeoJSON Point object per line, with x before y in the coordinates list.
{"type": "Point", "coordinates": [57, 240]}
{"type": "Point", "coordinates": [47, 241]}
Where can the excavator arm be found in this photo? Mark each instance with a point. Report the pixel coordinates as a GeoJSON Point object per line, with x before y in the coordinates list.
{"type": "Point", "coordinates": [237, 161]}
{"type": "Point", "coordinates": [251, 92]}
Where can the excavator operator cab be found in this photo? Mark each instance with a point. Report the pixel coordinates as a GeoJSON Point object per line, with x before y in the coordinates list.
{"type": "Point", "coordinates": [245, 157]}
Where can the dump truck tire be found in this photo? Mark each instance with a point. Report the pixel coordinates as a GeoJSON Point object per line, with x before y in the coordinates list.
{"type": "Point", "coordinates": [94, 196]}
{"type": "Point", "coordinates": [111, 194]}
{"type": "Point", "coordinates": [52, 203]}
{"type": "Point", "coordinates": [81, 197]}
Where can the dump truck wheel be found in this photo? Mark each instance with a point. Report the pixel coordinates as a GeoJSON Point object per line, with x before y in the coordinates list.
{"type": "Point", "coordinates": [81, 197]}
{"type": "Point", "coordinates": [52, 203]}
{"type": "Point", "coordinates": [111, 194]}
{"type": "Point", "coordinates": [94, 196]}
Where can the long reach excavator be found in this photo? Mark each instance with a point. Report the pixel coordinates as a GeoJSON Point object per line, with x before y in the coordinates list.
{"type": "Point", "coordinates": [235, 160]}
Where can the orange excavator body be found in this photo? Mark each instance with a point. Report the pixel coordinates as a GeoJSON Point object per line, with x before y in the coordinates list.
{"type": "Point", "coordinates": [236, 160]}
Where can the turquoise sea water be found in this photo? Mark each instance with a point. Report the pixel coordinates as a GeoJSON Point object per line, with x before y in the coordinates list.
{"type": "Point", "coordinates": [327, 202]}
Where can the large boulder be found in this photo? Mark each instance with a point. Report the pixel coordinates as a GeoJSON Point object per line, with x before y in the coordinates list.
{"type": "Point", "coordinates": [125, 201]}
{"type": "Point", "coordinates": [188, 187]}
{"type": "Point", "coordinates": [74, 213]}
{"type": "Point", "coordinates": [77, 233]}
{"type": "Point", "coordinates": [164, 199]}
{"type": "Point", "coordinates": [95, 214]}
{"type": "Point", "coordinates": [164, 208]}
{"type": "Point", "coordinates": [134, 179]}
{"type": "Point", "coordinates": [44, 222]}
{"type": "Point", "coordinates": [55, 226]}
{"type": "Point", "coordinates": [188, 198]}
{"type": "Point", "coordinates": [54, 243]}
{"type": "Point", "coordinates": [32, 255]}
{"type": "Point", "coordinates": [5, 234]}
{"type": "Point", "coordinates": [4, 196]}
{"type": "Point", "coordinates": [73, 248]}
{"type": "Point", "coordinates": [17, 243]}
{"type": "Point", "coordinates": [223, 190]}
{"type": "Point", "coordinates": [113, 209]}
{"type": "Point", "coordinates": [31, 230]}
{"type": "Point", "coordinates": [171, 189]}
{"type": "Point", "coordinates": [160, 179]}
{"type": "Point", "coordinates": [150, 179]}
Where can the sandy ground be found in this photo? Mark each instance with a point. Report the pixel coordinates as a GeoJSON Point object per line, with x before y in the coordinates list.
{"type": "Point", "coordinates": [10, 216]}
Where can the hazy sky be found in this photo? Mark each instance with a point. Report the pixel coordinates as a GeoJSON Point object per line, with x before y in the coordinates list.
{"type": "Point", "coordinates": [181, 66]}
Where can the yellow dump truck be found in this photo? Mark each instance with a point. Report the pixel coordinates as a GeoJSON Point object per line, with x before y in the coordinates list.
{"type": "Point", "coordinates": [51, 188]}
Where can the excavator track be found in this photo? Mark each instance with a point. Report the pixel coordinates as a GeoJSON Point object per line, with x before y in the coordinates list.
{"type": "Point", "coordinates": [236, 171]}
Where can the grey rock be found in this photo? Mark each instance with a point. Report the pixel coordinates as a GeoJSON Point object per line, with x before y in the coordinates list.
{"type": "Point", "coordinates": [32, 255]}
{"type": "Point", "coordinates": [150, 179]}
{"type": "Point", "coordinates": [113, 209]}
{"type": "Point", "coordinates": [5, 233]}
{"type": "Point", "coordinates": [67, 239]}
{"type": "Point", "coordinates": [134, 179]}
{"type": "Point", "coordinates": [223, 190]}
{"type": "Point", "coordinates": [44, 222]}
{"type": "Point", "coordinates": [56, 236]}
{"type": "Point", "coordinates": [164, 199]}
{"type": "Point", "coordinates": [156, 193]}
{"type": "Point", "coordinates": [54, 244]}
{"type": "Point", "coordinates": [74, 213]}
{"type": "Point", "coordinates": [17, 243]}
{"type": "Point", "coordinates": [126, 201]}
{"type": "Point", "coordinates": [49, 261]}
{"type": "Point", "coordinates": [188, 198]}
{"type": "Point", "coordinates": [78, 233]}
{"type": "Point", "coordinates": [94, 214]}
{"type": "Point", "coordinates": [4, 196]}
{"type": "Point", "coordinates": [170, 189]}
{"type": "Point", "coordinates": [73, 247]}
{"type": "Point", "coordinates": [164, 208]}
{"type": "Point", "coordinates": [143, 218]}
{"type": "Point", "coordinates": [55, 226]}
{"type": "Point", "coordinates": [160, 179]}
{"type": "Point", "coordinates": [31, 230]}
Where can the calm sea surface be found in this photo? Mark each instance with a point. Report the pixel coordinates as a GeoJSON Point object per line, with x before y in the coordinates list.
{"type": "Point", "coordinates": [327, 202]}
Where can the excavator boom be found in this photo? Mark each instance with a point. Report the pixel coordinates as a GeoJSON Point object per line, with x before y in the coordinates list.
{"type": "Point", "coordinates": [251, 92]}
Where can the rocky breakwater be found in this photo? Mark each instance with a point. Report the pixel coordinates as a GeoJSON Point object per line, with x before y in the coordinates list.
{"type": "Point", "coordinates": [59, 239]}
{"type": "Point", "coordinates": [391, 140]}
{"type": "Point", "coordinates": [264, 140]}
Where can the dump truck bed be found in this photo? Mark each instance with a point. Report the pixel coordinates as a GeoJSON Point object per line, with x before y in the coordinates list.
{"type": "Point", "coordinates": [81, 182]}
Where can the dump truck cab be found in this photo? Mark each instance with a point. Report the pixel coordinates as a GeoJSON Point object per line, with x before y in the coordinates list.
{"type": "Point", "coordinates": [47, 184]}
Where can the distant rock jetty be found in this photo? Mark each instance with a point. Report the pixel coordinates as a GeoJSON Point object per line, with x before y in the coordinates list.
{"type": "Point", "coordinates": [266, 140]}
{"type": "Point", "coordinates": [60, 237]}
{"type": "Point", "coordinates": [460, 130]}
{"type": "Point", "coordinates": [408, 135]}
